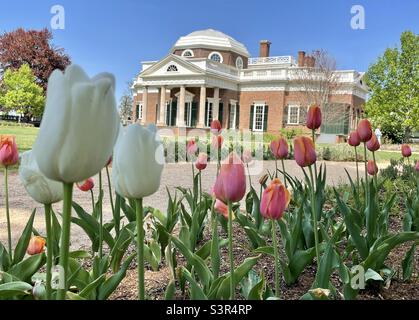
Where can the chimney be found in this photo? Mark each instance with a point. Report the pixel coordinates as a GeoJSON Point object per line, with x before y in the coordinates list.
{"type": "Point", "coordinates": [265, 45]}
{"type": "Point", "coordinates": [301, 58]}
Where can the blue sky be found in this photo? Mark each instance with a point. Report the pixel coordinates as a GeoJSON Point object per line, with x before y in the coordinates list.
{"type": "Point", "coordinates": [115, 35]}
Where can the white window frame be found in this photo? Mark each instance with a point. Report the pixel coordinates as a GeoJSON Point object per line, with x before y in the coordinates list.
{"type": "Point", "coordinates": [233, 110]}
{"type": "Point", "coordinates": [208, 121]}
{"type": "Point", "coordinates": [293, 106]}
{"type": "Point", "coordinates": [188, 51]}
{"type": "Point", "coordinates": [219, 54]}
{"type": "Point", "coordinates": [256, 105]}
{"type": "Point", "coordinates": [140, 110]}
{"type": "Point", "coordinates": [188, 112]}
{"type": "Point", "coordinates": [241, 63]}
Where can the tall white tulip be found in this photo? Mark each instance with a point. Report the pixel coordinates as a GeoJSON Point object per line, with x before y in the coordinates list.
{"type": "Point", "coordinates": [137, 162]}
{"type": "Point", "coordinates": [39, 187]}
{"type": "Point", "coordinates": [137, 166]}
{"type": "Point", "coordinates": [79, 126]}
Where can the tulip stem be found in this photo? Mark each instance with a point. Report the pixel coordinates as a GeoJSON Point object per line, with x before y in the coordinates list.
{"type": "Point", "coordinates": [65, 237]}
{"type": "Point", "coordinates": [314, 216]}
{"type": "Point", "coordinates": [9, 230]}
{"type": "Point", "coordinates": [276, 168]}
{"type": "Point", "coordinates": [375, 173]}
{"type": "Point", "coordinates": [215, 251]}
{"type": "Point", "coordinates": [313, 133]}
{"type": "Point", "coordinates": [140, 248]}
{"type": "Point", "coordinates": [100, 216]}
{"type": "Point", "coordinates": [276, 257]}
{"type": "Point", "coordinates": [366, 175]}
{"type": "Point", "coordinates": [285, 175]}
{"type": "Point", "coordinates": [250, 178]}
{"type": "Point", "coordinates": [110, 191]}
{"type": "Point", "coordinates": [230, 249]}
{"type": "Point", "coordinates": [47, 208]}
{"type": "Point", "coordinates": [93, 201]}
{"type": "Point", "coordinates": [200, 186]}
{"type": "Point", "coordinates": [357, 167]}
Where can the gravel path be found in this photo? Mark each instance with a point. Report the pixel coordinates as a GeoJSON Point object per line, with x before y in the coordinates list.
{"type": "Point", "coordinates": [21, 205]}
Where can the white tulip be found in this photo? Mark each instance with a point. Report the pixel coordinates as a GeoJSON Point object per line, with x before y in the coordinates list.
{"type": "Point", "coordinates": [137, 162]}
{"type": "Point", "coordinates": [79, 127]}
{"type": "Point", "coordinates": [39, 187]}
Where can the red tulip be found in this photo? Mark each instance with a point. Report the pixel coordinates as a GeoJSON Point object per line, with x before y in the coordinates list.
{"type": "Point", "coordinates": [221, 208]}
{"type": "Point", "coordinates": [314, 117]}
{"type": "Point", "coordinates": [201, 161]}
{"type": "Point", "coordinates": [87, 185]}
{"type": "Point", "coordinates": [230, 185]}
{"type": "Point", "coordinates": [191, 147]}
{"type": "Point", "coordinates": [9, 154]}
{"type": "Point", "coordinates": [247, 156]}
{"type": "Point", "coordinates": [417, 166]}
{"type": "Point", "coordinates": [217, 142]}
{"type": "Point", "coordinates": [36, 245]}
{"type": "Point", "coordinates": [275, 200]}
{"type": "Point", "coordinates": [304, 151]}
{"type": "Point", "coordinates": [354, 139]}
{"type": "Point", "coordinates": [364, 130]}
{"type": "Point", "coordinates": [373, 144]}
{"type": "Point", "coordinates": [216, 127]}
{"type": "Point", "coordinates": [406, 151]}
{"type": "Point", "coordinates": [372, 168]}
{"type": "Point", "coordinates": [279, 148]}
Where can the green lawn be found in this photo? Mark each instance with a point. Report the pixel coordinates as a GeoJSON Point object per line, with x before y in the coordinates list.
{"type": "Point", "coordinates": [25, 136]}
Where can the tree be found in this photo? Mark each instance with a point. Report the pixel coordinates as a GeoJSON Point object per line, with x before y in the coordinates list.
{"type": "Point", "coordinates": [34, 48]}
{"type": "Point", "coordinates": [394, 84]}
{"type": "Point", "coordinates": [20, 92]}
{"type": "Point", "coordinates": [125, 104]}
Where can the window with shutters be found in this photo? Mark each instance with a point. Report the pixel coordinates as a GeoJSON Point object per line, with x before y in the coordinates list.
{"type": "Point", "coordinates": [208, 114]}
{"type": "Point", "coordinates": [232, 116]}
{"type": "Point", "coordinates": [293, 114]}
{"type": "Point", "coordinates": [258, 117]}
{"type": "Point", "coordinates": [139, 110]}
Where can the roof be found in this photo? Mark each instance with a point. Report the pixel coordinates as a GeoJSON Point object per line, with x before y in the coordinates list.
{"type": "Point", "coordinates": [211, 39]}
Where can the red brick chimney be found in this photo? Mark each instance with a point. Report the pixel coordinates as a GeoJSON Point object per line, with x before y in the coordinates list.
{"type": "Point", "coordinates": [265, 45]}
{"type": "Point", "coordinates": [301, 58]}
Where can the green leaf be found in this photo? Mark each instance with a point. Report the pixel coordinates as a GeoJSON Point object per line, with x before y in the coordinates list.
{"type": "Point", "coordinates": [25, 269]}
{"type": "Point", "coordinates": [80, 254]}
{"type": "Point", "coordinates": [372, 275]}
{"type": "Point", "coordinates": [408, 263]}
{"type": "Point", "coordinates": [170, 291]}
{"type": "Point", "coordinates": [14, 289]}
{"type": "Point", "coordinates": [197, 293]}
{"type": "Point", "coordinates": [22, 244]}
{"type": "Point", "coordinates": [91, 287]}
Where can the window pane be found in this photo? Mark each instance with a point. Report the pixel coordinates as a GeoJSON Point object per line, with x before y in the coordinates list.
{"type": "Point", "coordinates": [258, 117]}
{"type": "Point", "coordinates": [293, 114]}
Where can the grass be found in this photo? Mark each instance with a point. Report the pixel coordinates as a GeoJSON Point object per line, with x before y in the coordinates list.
{"type": "Point", "coordinates": [25, 136]}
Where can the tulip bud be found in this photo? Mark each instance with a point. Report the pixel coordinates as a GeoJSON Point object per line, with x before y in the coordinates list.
{"type": "Point", "coordinates": [304, 151]}
{"type": "Point", "coordinates": [39, 187]}
{"type": "Point", "coordinates": [417, 166]}
{"type": "Point", "coordinates": [191, 147]}
{"type": "Point", "coordinates": [263, 179]}
{"type": "Point", "coordinates": [247, 156]}
{"type": "Point", "coordinates": [314, 117]}
{"type": "Point", "coordinates": [279, 148]}
{"type": "Point", "coordinates": [230, 185]}
{"type": "Point", "coordinates": [275, 200]}
{"type": "Point", "coordinates": [221, 208]}
{"type": "Point", "coordinates": [217, 142]}
{"type": "Point", "coordinates": [87, 185]}
{"type": "Point", "coordinates": [364, 130]}
{"type": "Point", "coordinates": [373, 144]}
{"type": "Point", "coordinates": [36, 245]}
{"type": "Point", "coordinates": [201, 161]}
{"type": "Point", "coordinates": [372, 168]}
{"type": "Point", "coordinates": [38, 291]}
{"type": "Point", "coordinates": [354, 139]}
{"type": "Point", "coordinates": [9, 154]}
{"type": "Point", "coordinates": [216, 127]}
{"type": "Point", "coordinates": [406, 151]}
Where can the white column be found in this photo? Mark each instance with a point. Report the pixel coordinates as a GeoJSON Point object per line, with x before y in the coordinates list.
{"type": "Point", "coordinates": [216, 103]}
{"type": "Point", "coordinates": [160, 120]}
{"type": "Point", "coordinates": [202, 101]}
{"type": "Point", "coordinates": [145, 103]}
{"type": "Point", "coordinates": [181, 108]}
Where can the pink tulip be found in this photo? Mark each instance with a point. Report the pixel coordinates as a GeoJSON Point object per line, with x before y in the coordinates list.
{"type": "Point", "coordinates": [279, 148]}
{"type": "Point", "coordinates": [364, 130]}
{"type": "Point", "coordinates": [373, 144]}
{"type": "Point", "coordinates": [201, 161]}
{"type": "Point", "coordinates": [275, 200]}
{"type": "Point", "coordinates": [406, 151]}
{"type": "Point", "coordinates": [36, 245]}
{"type": "Point", "coordinates": [354, 139]}
{"type": "Point", "coordinates": [191, 147]}
{"type": "Point", "coordinates": [216, 127]}
{"type": "Point", "coordinates": [9, 154]}
{"type": "Point", "coordinates": [304, 151]}
{"type": "Point", "coordinates": [247, 156]}
{"type": "Point", "coordinates": [314, 117]}
{"type": "Point", "coordinates": [230, 185]}
{"type": "Point", "coordinates": [372, 168]}
{"type": "Point", "coordinates": [87, 185]}
{"type": "Point", "coordinates": [417, 166]}
{"type": "Point", "coordinates": [217, 142]}
{"type": "Point", "coordinates": [221, 208]}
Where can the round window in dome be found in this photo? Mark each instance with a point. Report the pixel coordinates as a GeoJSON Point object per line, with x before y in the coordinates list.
{"type": "Point", "coordinates": [215, 56]}
{"type": "Point", "coordinates": [188, 53]}
{"type": "Point", "coordinates": [239, 63]}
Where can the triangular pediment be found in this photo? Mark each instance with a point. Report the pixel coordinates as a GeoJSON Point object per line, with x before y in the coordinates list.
{"type": "Point", "coordinates": [171, 65]}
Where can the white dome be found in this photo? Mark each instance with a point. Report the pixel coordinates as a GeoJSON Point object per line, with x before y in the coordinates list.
{"type": "Point", "coordinates": [211, 39]}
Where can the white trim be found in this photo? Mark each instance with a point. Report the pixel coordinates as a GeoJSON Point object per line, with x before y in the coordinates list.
{"type": "Point", "coordinates": [217, 53]}
{"type": "Point", "coordinates": [188, 96]}
{"type": "Point", "coordinates": [289, 114]}
{"type": "Point", "coordinates": [256, 105]}
{"type": "Point", "coordinates": [188, 51]}
{"type": "Point", "coordinates": [232, 121]}
{"type": "Point", "coordinates": [172, 65]}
